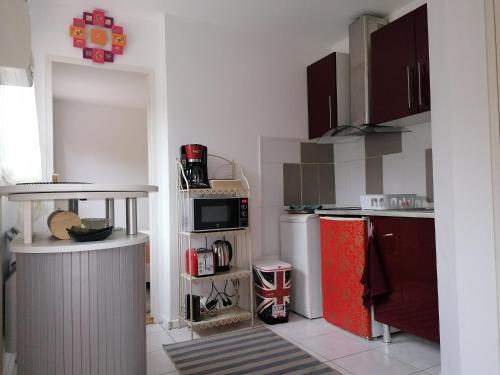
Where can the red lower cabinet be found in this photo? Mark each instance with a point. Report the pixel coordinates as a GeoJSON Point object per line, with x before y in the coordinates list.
{"type": "Point", "coordinates": [343, 244]}
{"type": "Point", "coordinates": [408, 251]}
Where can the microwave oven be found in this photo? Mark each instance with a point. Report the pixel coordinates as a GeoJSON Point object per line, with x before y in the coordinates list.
{"type": "Point", "coordinates": [214, 214]}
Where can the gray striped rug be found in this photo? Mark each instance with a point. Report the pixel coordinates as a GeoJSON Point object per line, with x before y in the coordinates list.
{"type": "Point", "coordinates": [252, 351]}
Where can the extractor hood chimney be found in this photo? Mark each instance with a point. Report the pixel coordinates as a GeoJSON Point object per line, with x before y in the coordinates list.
{"type": "Point", "coordinates": [359, 50]}
{"type": "Point", "coordinates": [360, 77]}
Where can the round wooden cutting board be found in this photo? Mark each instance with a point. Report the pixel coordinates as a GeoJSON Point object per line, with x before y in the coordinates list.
{"type": "Point", "coordinates": [59, 221]}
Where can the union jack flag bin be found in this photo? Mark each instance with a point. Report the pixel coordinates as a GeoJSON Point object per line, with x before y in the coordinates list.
{"type": "Point", "coordinates": [272, 281]}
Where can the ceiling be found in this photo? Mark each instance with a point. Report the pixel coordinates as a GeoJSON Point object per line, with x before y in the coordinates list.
{"type": "Point", "coordinates": [89, 84]}
{"type": "Point", "coordinates": [318, 21]}
{"type": "Point", "coordinates": [323, 22]}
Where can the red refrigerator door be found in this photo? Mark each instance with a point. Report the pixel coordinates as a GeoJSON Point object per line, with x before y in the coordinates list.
{"type": "Point", "coordinates": [343, 245]}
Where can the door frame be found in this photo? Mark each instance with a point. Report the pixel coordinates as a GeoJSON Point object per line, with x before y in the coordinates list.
{"type": "Point", "coordinates": [47, 150]}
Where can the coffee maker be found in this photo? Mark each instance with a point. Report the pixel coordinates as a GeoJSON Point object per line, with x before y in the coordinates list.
{"type": "Point", "coordinates": [194, 162]}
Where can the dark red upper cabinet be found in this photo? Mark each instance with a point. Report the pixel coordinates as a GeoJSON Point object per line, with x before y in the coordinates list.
{"type": "Point", "coordinates": [400, 68]}
{"type": "Point", "coordinates": [325, 79]}
{"type": "Point", "coordinates": [321, 95]}
{"type": "Point", "coordinates": [422, 48]}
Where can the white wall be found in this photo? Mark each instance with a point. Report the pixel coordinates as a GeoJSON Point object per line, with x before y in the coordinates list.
{"type": "Point", "coordinates": [463, 188]}
{"type": "Point", "coordinates": [145, 53]}
{"type": "Point", "coordinates": [102, 143]}
{"type": "Point", "coordinates": [225, 89]}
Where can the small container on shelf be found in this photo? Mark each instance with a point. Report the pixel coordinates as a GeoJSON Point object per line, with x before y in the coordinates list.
{"type": "Point", "coordinates": [272, 281]}
{"type": "Point", "coordinates": [388, 201]}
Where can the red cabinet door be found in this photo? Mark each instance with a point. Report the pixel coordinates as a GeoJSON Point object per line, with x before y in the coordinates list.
{"type": "Point", "coordinates": [422, 55]}
{"type": "Point", "coordinates": [408, 251]}
{"type": "Point", "coordinates": [322, 96]}
{"type": "Point", "coordinates": [343, 245]}
{"type": "Point", "coordinates": [394, 70]}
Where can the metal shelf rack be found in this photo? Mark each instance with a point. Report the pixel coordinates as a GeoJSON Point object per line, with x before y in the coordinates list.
{"type": "Point", "coordinates": [241, 308]}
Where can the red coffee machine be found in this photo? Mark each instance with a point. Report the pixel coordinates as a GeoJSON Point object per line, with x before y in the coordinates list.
{"type": "Point", "coordinates": [194, 162]}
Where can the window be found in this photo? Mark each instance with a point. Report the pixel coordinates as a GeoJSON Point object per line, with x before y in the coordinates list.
{"type": "Point", "coordinates": [20, 157]}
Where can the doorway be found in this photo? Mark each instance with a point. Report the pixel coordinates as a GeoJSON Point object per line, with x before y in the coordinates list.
{"type": "Point", "coordinates": [100, 135]}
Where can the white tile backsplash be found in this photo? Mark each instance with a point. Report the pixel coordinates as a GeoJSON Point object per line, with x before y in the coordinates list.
{"type": "Point", "coordinates": [273, 153]}
{"type": "Point", "coordinates": [402, 173]}
{"type": "Point", "coordinates": [342, 183]}
{"type": "Point", "coordinates": [405, 173]}
{"type": "Point", "coordinates": [271, 231]}
{"type": "Point", "coordinates": [272, 184]}
{"type": "Point", "coordinates": [280, 150]}
{"type": "Point", "coordinates": [349, 151]}
{"type": "Point", "coordinates": [357, 174]}
{"type": "Point", "coordinates": [393, 178]}
{"type": "Point", "coordinates": [350, 182]}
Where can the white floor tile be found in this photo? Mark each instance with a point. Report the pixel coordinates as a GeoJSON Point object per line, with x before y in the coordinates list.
{"type": "Point", "coordinates": [182, 334]}
{"type": "Point", "coordinates": [155, 341]}
{"type": "Point", "coordinates": [318, 356]}
{"type": "Point", "coordinates": [371, 343]}
{"type": "Point", "coordinates": [293, 317]}
{"type": "Point", "coordinates": [341, 350]}
{"type": "Point", "coordinates": [334, 345]}
{"type": "Point", "coordinates": [342, 370]}
{"type": "Point", "coordinates": [303, 329]}
{"type": "Point", "coordinates": [153, 328]}
{"type": "Point", "coordinates": [374, 362]}
{"type": "Point", "coordinates": [436, 370]}
{"type": "Point", "coordinates": [159, 363]}
{"type": "Point", "coordinates": [415, 351]}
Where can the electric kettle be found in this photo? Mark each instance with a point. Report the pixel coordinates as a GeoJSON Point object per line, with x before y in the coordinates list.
{"type": "Point", "coordinates": [223, 252]}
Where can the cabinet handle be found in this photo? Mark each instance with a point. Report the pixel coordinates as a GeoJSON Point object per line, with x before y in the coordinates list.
{"type": "Point", "coordinates": [330, 109]}
{"type": "Point", "coordinates": [408, 85]}
{"type": "Point", "coordinates": [388, 235]}
{"type": "Point", "coordinates": [419, 85]}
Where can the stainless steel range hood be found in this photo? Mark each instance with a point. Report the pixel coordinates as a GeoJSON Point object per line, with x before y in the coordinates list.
{"type": "Point", "coordinates": [359, 54]}
{"type": "Point", "coordinates": [360, 72]}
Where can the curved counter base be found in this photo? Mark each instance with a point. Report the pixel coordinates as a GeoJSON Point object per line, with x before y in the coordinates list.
{"type": "Point", "coordinates": [82, 312]}
{"type": "Point", "coordinates": [46, 243]}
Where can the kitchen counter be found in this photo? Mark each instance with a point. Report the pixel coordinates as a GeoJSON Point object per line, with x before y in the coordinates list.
{"type": "Point", "coordinates": [416, 213]}
{"type": "Point", "coordinates": [68, 292]}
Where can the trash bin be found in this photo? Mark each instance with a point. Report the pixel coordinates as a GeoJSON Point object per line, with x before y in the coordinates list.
{"type": "Point", "coordinates": [272, 281]}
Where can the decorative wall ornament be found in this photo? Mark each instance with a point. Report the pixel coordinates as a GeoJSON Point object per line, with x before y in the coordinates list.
{"type": "Point", "coordinates": [92, 33]}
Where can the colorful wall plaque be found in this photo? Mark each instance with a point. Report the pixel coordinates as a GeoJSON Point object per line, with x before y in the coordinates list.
{"type": "Point", "coordinates": [100, 29]}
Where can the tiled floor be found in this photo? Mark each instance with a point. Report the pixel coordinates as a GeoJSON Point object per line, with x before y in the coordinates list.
{"type": "Point", "coordinates": [343, 351]}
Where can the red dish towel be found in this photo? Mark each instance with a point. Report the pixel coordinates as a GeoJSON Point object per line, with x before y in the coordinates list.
{"type": "Point", "coordinates": [374, 278]}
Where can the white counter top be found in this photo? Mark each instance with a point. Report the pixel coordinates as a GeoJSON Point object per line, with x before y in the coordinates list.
{"type": "Point", "coordinates": [41, 191]}
{"type": "Point", "coordinates": [415, 213]}
{"type": "Point", "coordinates": [44, 243]}
{"type": "Point", "coordinates": [30, 192]}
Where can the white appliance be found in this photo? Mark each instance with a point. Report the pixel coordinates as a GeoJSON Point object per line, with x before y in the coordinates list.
{"type": "Point", "coordinates": [300, 246]}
